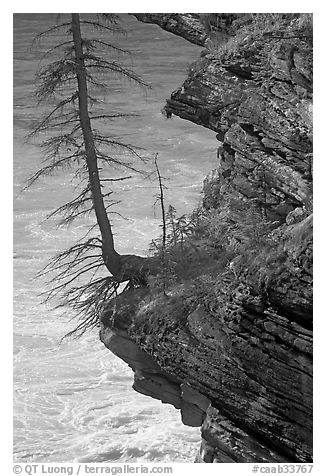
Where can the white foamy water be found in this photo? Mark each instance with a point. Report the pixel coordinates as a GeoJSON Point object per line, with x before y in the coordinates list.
{"type": "Point", "coordinates": [73, 400]}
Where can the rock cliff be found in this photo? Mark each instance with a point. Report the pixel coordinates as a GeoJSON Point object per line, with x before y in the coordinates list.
{"type": "Point", "coordinates": [230, 343]}
{"type": "Point", "coordinates": [187, 25]}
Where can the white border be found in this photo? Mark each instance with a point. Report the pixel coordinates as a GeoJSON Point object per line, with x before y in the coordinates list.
{"type": "Point", "coordinates": [320, 177]}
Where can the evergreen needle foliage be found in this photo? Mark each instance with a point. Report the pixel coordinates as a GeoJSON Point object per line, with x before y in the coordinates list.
{"type": "Point", "coordinates": [231, 240]}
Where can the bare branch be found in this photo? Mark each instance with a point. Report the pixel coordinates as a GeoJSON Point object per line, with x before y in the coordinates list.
{"type": "Point", "coordinates": [50, 30]}
{"type": "Point", "coordinates": [55, 125]}
{"type": "Point", "coordinates": [109, 45]}
{"type": "Point", "coordinates": [161, 198]}
{"type": "Point", "coordinates": [56, 47]}
{"type": "Point", "coordinates": [77, 250]}
{"type": "Point", "coordinates": [59, 107]}
{"type": "Point", "coordinates": [114, 143]}
{"type": "Point", "coordinates": [115, 179]}
{"type": "Point", "coordinates": [73, 206]}
{"type": "Point", "coordinates": [112, 116]}
{"type": "Point", "coordinates": [47, 170]}
{"type": "Point", "coordinates": [101, 26]}
{"type": "Point", "coordinates": [101, 64]}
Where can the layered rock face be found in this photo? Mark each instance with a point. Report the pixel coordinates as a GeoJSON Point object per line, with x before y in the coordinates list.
{"type": "Point", "coordinates": [237, 359]}
{"type": "Point", "coordinates": [262, 112]}
{"type": "Point", "coordinates": [187, 25]}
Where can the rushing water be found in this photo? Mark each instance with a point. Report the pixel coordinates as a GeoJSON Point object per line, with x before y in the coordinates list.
{"type": "Point", "coordinates": [73, 400]}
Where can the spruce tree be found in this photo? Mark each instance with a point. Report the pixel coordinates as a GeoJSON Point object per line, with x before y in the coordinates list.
{"type": "Point", "coordinates": [74, 140]}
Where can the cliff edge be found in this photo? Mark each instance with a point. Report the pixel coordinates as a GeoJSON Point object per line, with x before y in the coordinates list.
{"type": "Point", "coordinates": [224, 333]}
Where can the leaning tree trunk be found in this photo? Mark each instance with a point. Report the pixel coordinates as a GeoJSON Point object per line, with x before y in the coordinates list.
{"type": "Point", "coordinates": [123, 267]}
{"type": "Point", "coordinates": [111, 258]}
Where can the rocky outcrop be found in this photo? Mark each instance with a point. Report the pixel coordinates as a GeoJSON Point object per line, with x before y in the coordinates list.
{"type": "Point", "coordinates": [186, 25]}
{"type": "Point", "coordinates": [233, 349]}
{"type": "Point", "coordinates": [265, 125]}
{"type": "Point", "coordinates": [237, 366]}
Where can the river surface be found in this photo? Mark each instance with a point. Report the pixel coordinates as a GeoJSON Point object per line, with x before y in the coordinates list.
{"type": "Point", "coordinates": [73, 400]}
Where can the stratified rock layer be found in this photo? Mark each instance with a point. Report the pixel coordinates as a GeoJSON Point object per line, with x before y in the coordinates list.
{"type": "Point", "coordinates": [186, 25]}
{"type": "Point", "coordinates": [237, 366]}
{"type": "Point", "coordinates": [239, 362]}
{"type": "Point", "coordinates": [265, 128]}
